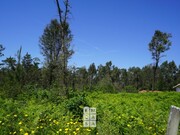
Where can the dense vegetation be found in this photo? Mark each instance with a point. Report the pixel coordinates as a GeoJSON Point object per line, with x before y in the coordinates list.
{"type": "Point", "coordinates": [43, 112]}
{"type": "Point", "coordinates": [18, 75]}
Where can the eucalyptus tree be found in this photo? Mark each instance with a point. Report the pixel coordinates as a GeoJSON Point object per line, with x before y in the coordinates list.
{"type": "Point", "coordinates": [159, 44]}
{"type": "Point", "coordinates": [51, 47]}
{"type": "Point", "coordinates": [168, 75]}
{"type": "Point", "coordinates": [91, 74]}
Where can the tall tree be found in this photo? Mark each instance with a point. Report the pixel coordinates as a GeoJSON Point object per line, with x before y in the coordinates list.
{"type": "Point", "coordinates": [1, 54]}
{"type": "Point", "coordinates": [178, 75]}
{"type": "Point", "coordinates": [66, 38]}
{"type": "Point", "coordinates": [51, 47]}
{"type": "Point", "coordinates": [27, 62]}
{"type": "Point", "coordinates": [31, 72]}
{"type": "Point", "coordinates": [168, 75]}
{"type": "Point", "coordinates": [82, 76]}
{"type": "Point", "coordinates": [92, 74]}
{"type": "Point", "coordinates": [134, 76]}
{"type": "Point", "coordinates": [159, 44]}
{"type": "Point", "coordinates": [19, 68]}
{"type": "Point", "coordinates": [10, 63]}
{"type": "Point", "coordinates": [123, 77]}
{"type": "Point", "coordinates": [147, 77]}
{"type": "Point", "coordinates": [115, 74]}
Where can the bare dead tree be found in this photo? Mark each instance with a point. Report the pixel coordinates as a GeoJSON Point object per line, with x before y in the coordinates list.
{"type": "Point", "coordinates": [64, 39]}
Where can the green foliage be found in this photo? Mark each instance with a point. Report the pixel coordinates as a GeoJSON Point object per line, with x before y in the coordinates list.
{"type": "Point", "coordinates": [133, 114]}
{"type": "Point", "coordinates": [76, 103]}
{"type": "Point", "coordinates": [159, 44]}
{"type": "Point", "coordinates": [106, 85]}
{"type": "Point", "coordinates": [124, 113]}
{"type": "Point", "coordinates": [167, 75]}
{"type": "Point", "coordinates": [130, 89]}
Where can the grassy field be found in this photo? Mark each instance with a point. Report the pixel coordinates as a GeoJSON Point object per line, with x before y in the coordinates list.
{"type": "Point", "coordinates": [42, 112]}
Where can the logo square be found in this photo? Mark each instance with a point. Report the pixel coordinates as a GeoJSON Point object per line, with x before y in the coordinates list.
{"type": "Point", "coordinates": [93, 117]}
{"type": "Point", "coordinates": [92, 110]}
{"type": "Point", "coordinates": [86, 110]}
{"type": "Point", "coordinates": [86, 117]}
{"type": "Point", "coordinates": [92, 123]}
{"type": "Point", "coordinates": [86, 123]}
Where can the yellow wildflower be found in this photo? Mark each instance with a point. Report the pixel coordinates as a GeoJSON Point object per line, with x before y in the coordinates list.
{"type": "Point", "coordinates": [77, 129]}
{"type": "Point", "coordinates": [60, 130]}
{"type": "Point", "coordinates": [128, 125]}
{"type": "Point", "coordinates": [25, 115]}
{"type": "Point", "coordinates": [26, 134]}
{"type": "Point", "coordinates": [14, 132]}
{"type": "Point", "coordinates": [66, 129]}
{"type": "Point", "coordinates": [54, 121]}
{"type": "Point", "coordinates": [20, 129]}
{"type": "Point", "coordinates": [20, 123]}
{"type": "Point", "coordinates": [32, 132]}
{"type": "Point", "coordinates": [150, 128]}
{"type": "Point", "coordinates": [15, 115]}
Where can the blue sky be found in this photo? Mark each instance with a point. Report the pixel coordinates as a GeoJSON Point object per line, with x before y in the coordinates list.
{"type": "Point", "coordinates": [104, 30]}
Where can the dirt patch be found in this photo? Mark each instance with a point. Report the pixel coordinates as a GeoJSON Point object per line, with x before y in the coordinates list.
{"type": "Point", "coordinates": [144, 91]}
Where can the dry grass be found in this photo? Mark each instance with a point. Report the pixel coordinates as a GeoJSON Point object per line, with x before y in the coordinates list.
{"type": "Point", "coordinates": [144, 91]}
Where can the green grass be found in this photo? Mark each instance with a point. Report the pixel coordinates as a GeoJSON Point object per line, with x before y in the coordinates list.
{"type": "Point", "coordinates": [42, 112]}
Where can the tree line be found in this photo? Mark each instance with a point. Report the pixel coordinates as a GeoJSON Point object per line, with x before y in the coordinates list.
{"type": "Point", "coordinates": [20, 73]}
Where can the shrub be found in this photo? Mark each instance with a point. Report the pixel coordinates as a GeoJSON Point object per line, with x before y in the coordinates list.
{"type": "Point", "coordinates": [76, 104]}
{"type": "Point", "coordinates": [130, 89]}
{"type": "Point", "coordinates": [106, 86]}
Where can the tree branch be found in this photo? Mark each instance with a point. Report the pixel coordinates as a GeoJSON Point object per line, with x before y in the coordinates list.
{"type": "Point", "coordinates": [66, 3]}
{"type": "Point", "coordinates": [59, 11]}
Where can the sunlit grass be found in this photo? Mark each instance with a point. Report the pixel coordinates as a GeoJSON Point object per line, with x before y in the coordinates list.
{"type": "Point", "coordinates": [122, 113]}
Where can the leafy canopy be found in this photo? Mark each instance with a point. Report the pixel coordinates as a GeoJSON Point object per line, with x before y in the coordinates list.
{"type": "Point", "coordinates": [159, 44]}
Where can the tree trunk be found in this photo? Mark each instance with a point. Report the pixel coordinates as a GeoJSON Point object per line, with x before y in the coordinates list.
{"type": "Point", "coordinates": [154, 76]}
{"type": "Point", "coordinates": [62, 23]}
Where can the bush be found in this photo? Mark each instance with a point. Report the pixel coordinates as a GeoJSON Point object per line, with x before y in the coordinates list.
{"type": "Point", "coordinates": [130, 89]}
{"type": "Point", "coordinates": [76, 104]}
{"type": "Point", "coordinates": [106, 86]}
